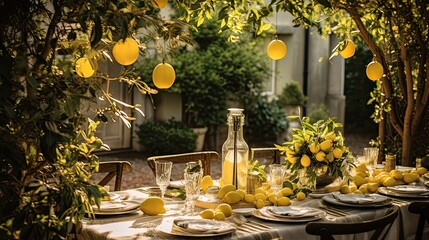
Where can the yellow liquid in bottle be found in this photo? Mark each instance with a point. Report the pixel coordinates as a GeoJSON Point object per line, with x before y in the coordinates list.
{"type": "Point", "coordinates": [228, 168]}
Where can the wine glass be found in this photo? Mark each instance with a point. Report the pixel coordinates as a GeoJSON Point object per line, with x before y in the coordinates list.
{"type": "Point", "coordinates": [277, 172]}
{"type": "Point", "coordinates": [371, 156]}
{"type": "Point", "coordinates": [192, 188]}
{"type": "Point", "coordinates": [163, 174]}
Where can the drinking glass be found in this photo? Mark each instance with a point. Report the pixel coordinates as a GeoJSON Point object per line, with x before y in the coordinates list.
{"type": "Point", "coordinates": [192, 188]}
{"type": "Point", "coordinates": [371, 156]}
{"type": "Point", "coordinates": [277, 173]}
{"type": "Point", "coordinates": [163, 174]}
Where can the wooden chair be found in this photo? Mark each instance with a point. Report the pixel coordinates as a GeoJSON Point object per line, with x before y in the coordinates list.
{"type": "Point", "coordinates": [421, 208]}
{"type": "Point", "coordinates": [271, 154]}
{"type": "Point", "coordinates": [113, 169]}
{"type": "Point", "coordinates": [206, 157]}
{"type": "Point", "coordinates": [326, 230]}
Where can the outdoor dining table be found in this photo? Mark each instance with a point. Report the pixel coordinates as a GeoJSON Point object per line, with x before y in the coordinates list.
{"type": "Point", "coordinates": [136, 225]}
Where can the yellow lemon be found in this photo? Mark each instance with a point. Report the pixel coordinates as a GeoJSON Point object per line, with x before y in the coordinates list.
{"type": "Point", "coordinates": [349, 49]}
{"type": "Point", "coordinates": [232, 197]}
{"type": "Point", "coordinates": [361, 174]}
{"type": "Point", "coordinates": [396, 174]}
{"type": "Point", "coordinates": [416, 175]}
{"type": "Point", "coordinates": [207, 214]}
{"type": "Point", "coordinates": [320, 156]}
{"type": "Point", "coordinates": [314, 147]}
{"type": "Point", "coordinates": [363, 188]}
{"type": "Point", "coordinates": [249, 198]}
{"type": "Point", "coordinates": [84, 67]}
{"type": "Point", "coordinates": [283, 201]}
{"type": "Point", "coordinates": [372, 187]}
{"type": "Point", "coordinates": [374, 70]}
{"type": "Point", "coordinates": [358, 180]}
{"type": "Point", "coordinates": [305, 161]}
{"type": "Point", "coordinates": [361, 168]}
{"type": "Point", "coordinates": [269, 191]}
{"type": "Point", "coordinates": [219, 215]}
{"type": "Point", "coordinates": [408, 177]}
{"type": "Point", "coordinates": [260, 190]}
{"type": "Point", "coordinates": [300, 196]}
{"type": "Point", "coordinates": [330, 157]}
{"type": "Point", "coordinates": [225, 209]}
{"type": "Point", "coordinates": [286, 192]}
{"type": "Point", "coordinates": [421, 170]}
{"type": "Point", "coordinates": [378, 171]}
{"type": "Point", "coordinates": [338, 153]}
{"type": "Point", "coordinates": [276, 49]}
{"type": "Point", "coordinates": [272, 198]}
{"type": "Point", "coordinates": [326, 145]}
{"type": "Point", "coordinates": [241, 192]}
{"type": "Point", "coordinates": [259, 203]}
{"type": "Point", "coordinates": [331, 136]}
{"type": "Point", "coordinates": [345, 189]}
{"type": "Point", "coordinates": [152, 206]}
{"type": "Point", "coordinates": [206, 182]}
{"type": "Point", "coordinates": [163, 75]}
{"type": "Point", "coordinates": [160, 3]}
{"type": "Point", "coordinates": [225, 189]}
{"type": "Point", "coordinates": [389, 182]}
{"type": "Point", "coordinates": [126, 51]}
{"type": "Point", "coordinates": [293, 160]}
{"type": "Point", "coordinates": [260, 196]}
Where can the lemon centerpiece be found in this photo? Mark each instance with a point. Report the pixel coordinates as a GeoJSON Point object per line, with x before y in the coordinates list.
{"type": "Point", "coordinates": [316, 150]}
{"type": "Point", "coordinates": [152, 206]}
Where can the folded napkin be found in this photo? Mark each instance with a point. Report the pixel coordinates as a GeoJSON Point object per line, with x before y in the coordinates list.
{"type": "Point", "coordinates": [295, 212]}
{"type": "Point", "coordinates": [409, 189]}
{"type": "Point", "coordinates": [360, 198]}
{"type": "Point", "coordinates": [116, 206]}
{"type": "Point", "coordinates": [201, 226]}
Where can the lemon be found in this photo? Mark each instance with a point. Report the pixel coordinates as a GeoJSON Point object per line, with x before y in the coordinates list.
{"type": "Point", "coordinates": [378, 171]}
{"type": "Point", "coordinates": [416, 175]}
{"type": "Point", "coordinates": [206, 182]}
{"type": "Point", "coordinates": [361, 168]}
{"type": "Point", "coordinates": [272, 198]}
{"type": "Point", "coordinates": [249, 198]}
{"type": "Point", "coordinates": [330, 157]}
{"type": "Point", "coordinates": [286, 192]}
{"type": "Point", "coordinates": [260, 196]}
{"type": "Point", "coordinates": [84, 67]}
{"type": "Point", "coordinates": [260, 190]}
{"type": "Point", "coordinates": [363, 188]}
{"type": "Point", "coordinates": [300, 196]}
{"type": "Point", "coordinates": [372, 187]}
{"type": "Point", "coordinates": [225, 209]}
{"type": "Point", "coordinates": [126, 51]}
{"type": "Point", "coordinates": [358, 180]}
{"type": "Point", "coordinates": [293, 160]}
{"type": "Point", "coordinates": [389, 182]}
{"type": "Point", "coordinates": [276, 49]}
{"type": "Point", "coordinates": [305, 160]}
{"type": "Point", "coordinates": [152, 206]}
{"type": "Point", "coordinates": [314, 147]}
{"type": "Point", "coordinates": [207, 214]}
{"type": "Point", "coordinates": [225, 189]}
{"type": "Point", "coordinates": [283, 201]}
{"type": "Point", "coordinates": [345, 189]}
{"type": "Point", "coordinates": [163, 75]}
{"type": "Point", "coordinates": [357, 192]}
{"type": "Point", "coordinates": [232, 197]}
{"type": "Point", "coordinates": [259, 203]}
{"type": "Point", "coordinates": [326, 145]}
{"type": "Point", "coordinates": [160, 3]}
{"type": "Point", "coordinates": [361, 174]}
{"type": "Point", "coordinates": [269, 191]}
{"type": "Point", "coordinates": [374, 70]}
{"type": "Point", "coordinates": [241, 192]}
{"type": "Point", "coordinates": [352, 187]}
{"type": "Point", "coordinates": [408, 177]}
{"type": "Point", "coordinates": [421, 170]}
{"type": "Point", "coordinates": [219, 215]}
{"type": "Point", "coordinates": [396, 174]}
{"type": "Point", "coordinates": [338, 153]}
{"type": "Point", "coordinates": [331, 136]}
{"type": "Point", "coordinates": [349, 49]}
{"type": "Point", "coordinates": [320, 156]}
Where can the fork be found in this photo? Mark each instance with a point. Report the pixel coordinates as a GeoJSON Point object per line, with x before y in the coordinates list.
{"type": "Point", "coordinates": [243, 222]}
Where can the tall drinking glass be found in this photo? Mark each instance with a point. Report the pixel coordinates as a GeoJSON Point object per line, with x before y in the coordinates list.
{"type": "Point", "coordinates": [277, 173]}
{"type": "Point", "coordinates": [192, 188]}
{"type": "Point", "coordinates": [163, 174]}
{"type": "Point", "coordinates": [371, 156]}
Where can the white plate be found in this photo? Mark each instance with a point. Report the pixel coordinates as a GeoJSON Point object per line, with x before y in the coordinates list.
{"type": "Point", "coordinates": [388, 192]}
{"type": "Point", "coordinates": [331, 200]}
{"type": "Point", "coordinates": [320, 195]}
{"type": "Point", "coordinates": [265, 215]}
{"type": "Point", "coordinates": [244, 211]}
{"type": "Point", "coordinates": [167, 227]}
{"type": "Point", "coordinates": [177, 184]}
{"type": "Point", "coordinates": [128, 207]}
{"type": "Point", "coordinates": [409, 189]}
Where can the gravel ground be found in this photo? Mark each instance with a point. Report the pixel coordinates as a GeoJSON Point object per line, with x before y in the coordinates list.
{"type": "Point", "coordinates": [142, 175]}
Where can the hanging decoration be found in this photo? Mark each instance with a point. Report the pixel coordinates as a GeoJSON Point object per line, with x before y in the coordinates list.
{"type": "Point", "coordinates": [374, 70]}
{"type": "Point", "coordinates": [276, 49]}
{"type": "Point", "coordinates": [163, 75]}
{"type": "Point", "coordinates": [126, 51]}
{"type": "Point", "coordinates": [349, 49]}
{"type": "Point", "coordinates": [85, 68]}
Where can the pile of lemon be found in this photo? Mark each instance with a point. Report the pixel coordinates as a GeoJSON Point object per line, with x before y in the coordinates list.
{"type": "Point", "coordinates": [362, 183]}
{"type": "Point", "coordinates": [221, 212]}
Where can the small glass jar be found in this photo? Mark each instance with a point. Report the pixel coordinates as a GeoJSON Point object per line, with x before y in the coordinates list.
{"type": "Point", "coordinates": [154, 192]}
{"type": "Point", "coordinates": [253, 182]}
{"type": "Point", "coordinates": [212, 193]}
{"type": "Point", "coordinates": [418, 163]}
{"type": "Point", "coordinates": [390, 162]}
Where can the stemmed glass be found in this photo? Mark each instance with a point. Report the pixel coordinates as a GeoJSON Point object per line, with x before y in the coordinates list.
{"type": "Point", "coordinates": [371, 156]}
{"type": "Point", "coordinates": [277, 173]}
{"type": "Point", "coordinates": [163, 174]}
{"type": "Point", "coordinates": [192, 188]}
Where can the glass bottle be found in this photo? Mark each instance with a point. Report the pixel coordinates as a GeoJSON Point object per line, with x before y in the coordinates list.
{"type": "Point", "coordinates": [235, 151]}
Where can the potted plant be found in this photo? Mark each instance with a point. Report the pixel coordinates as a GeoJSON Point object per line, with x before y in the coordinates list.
{"type": "Point", "coordinates": [292, 99]}
{"type": "Point", "coordinates": [316, 150]}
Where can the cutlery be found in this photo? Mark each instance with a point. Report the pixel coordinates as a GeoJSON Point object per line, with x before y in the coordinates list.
{"type": "Point", "coordinates": [242, 221]}
{"type": "Point", "coordinates": [333, 211]}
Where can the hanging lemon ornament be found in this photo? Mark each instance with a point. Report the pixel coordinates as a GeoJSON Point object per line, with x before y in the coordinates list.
{"type": "Point", "coordinates": [160, 3]}
{"type": "Point", "coordinates": [374, 70]}
{"type": "Point", "coordinates": [163, 75]}
{"type": "Point", "coordinates": [349, 49]}
{"type": "Point", "coordinates": [84, 67]}
{"type": "Point", "coordinates": [126, 51]}
{"type": "Point", "coordinates": [276, 49]}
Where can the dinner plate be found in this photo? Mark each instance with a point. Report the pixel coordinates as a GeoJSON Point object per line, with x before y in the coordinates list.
{"type": "Point", "coordinates": [168, 227]}
{"type": "Point", "coordinates": [409, 189]}
{"type": "Point", "coordinates": [244, 211]}
{"type": "Point", "coordinates": [294, 212]}
{"type": "Point", "coordinates": [385, 191]}
{"type": "Point", "coordinates": [332, 200]}
{"type": "Point", "coordinates": [265, 215]}
{"type": "Point", "coordinates": [320, 195]}
{"type": "Point", "coordinates": [116, 208]}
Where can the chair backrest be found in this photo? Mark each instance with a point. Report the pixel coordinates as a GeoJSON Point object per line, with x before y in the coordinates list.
{"type": "Point", "coordinates": [113, 169]}
{"type": "Point", "coordinates": [421, 208]}
{"type": "Point", "coordinates": [206, 157]}
{"type": "Point", "coordinates": [271, 154]}
{"type": "Point", "coordinates": [326, 230]}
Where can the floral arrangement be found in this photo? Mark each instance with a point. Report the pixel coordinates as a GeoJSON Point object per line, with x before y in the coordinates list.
{"type": "Point", "coordinates": [316, 149]}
